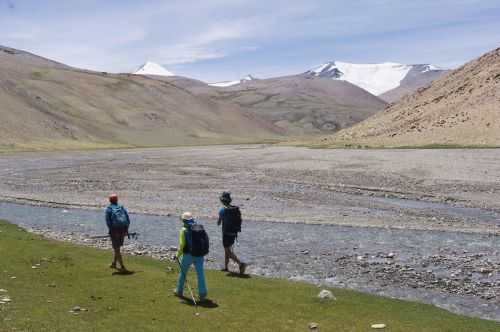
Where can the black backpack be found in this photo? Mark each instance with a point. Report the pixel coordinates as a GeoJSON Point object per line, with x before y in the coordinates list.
{"type": "Point", "coordinates": [199, 244]}
{"type": "Point", "coordinates": [232, 220]}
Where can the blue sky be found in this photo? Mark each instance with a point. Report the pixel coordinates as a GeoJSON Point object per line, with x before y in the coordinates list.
{"type": "Point", "coordinates": [215, 40]}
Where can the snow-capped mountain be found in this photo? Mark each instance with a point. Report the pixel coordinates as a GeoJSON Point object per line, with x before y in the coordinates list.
{"type": "Point", "coordinates": [377, 78]}
{"type": "Point", "coordinates": [226, 84]}
{"type": "Point", "coordinates": [151, 68]}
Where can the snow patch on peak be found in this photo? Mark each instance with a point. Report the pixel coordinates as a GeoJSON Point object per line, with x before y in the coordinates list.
{"type": "Point", "coordinates": [375, 78]}
{"type": "Point", "coordinates": [152, 68]}
{"type": "Point", "coordinates": [226, 84]}
{"type": "Point", "coordinates": [248, 78]}
{"type": "Point", "coordinates": [430, 68]}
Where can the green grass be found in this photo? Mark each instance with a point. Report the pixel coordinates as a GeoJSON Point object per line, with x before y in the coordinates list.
{"type": "Point", "coordinates": [72, 275]}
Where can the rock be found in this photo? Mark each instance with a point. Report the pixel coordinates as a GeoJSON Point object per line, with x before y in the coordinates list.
{"type": "Point", "coordinates": [378, 326]}
{"type": "Point", "coordinates": [172, 248]}
{"type": "Point", "coordinates": [3, 290]}
{"type": "Point", "coordinates": [76, 309]}
{"type": "Point", "coordinates": [391, 255]}
{"type": "Point", "coordinates": [34, 267]}
{"type": "Point", "coordinates": [326, 295]}
{"type": "Point", "coordinates": [13, 277]}
{"type": "Point", "coordinates": [485, 270]}
{"type": "Point", "coordinates": [313, 326]}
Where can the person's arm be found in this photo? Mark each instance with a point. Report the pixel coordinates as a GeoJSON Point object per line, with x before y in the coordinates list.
{"type": "Point", "coordinates": [108, 218]}
{"type": "Point", "coordinates": [221, 214]}
{"type": "Point", "coordinates": [182, 244]}
{"type": "Point", "coordinates": [128, 218]}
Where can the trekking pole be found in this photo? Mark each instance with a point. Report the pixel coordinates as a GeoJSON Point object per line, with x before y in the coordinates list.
{"type": "Point", "coordinates": [187, 284]}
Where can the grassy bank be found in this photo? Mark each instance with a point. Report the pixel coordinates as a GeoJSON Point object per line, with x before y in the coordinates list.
{"type": "Point", "coordinates": [69, 276]}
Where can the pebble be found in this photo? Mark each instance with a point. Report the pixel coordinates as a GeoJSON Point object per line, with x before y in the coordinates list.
{"type": "Point", "coordinates": [3, 290]}
{"type": "Point", "coordinates": [313, 326]}
{"type": "Point", "coordinates": [326, 295]}
{"type": "Point", "coordinates": [378, 326]}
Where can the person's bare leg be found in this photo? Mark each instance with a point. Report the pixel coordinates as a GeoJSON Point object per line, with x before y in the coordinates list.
{"type": "Point", "coordinates": [119, 258]}
{"type": "Point", "coordinates": [233, 256]}
{"type": "Point", "coordinates": [242, 266]}
{"type": "Point", "coordinates": [113, 263]}
{"type": "Point", "coordinates": [227, 254]}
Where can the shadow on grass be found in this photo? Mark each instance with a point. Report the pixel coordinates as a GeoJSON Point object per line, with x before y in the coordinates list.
{"type": "Point", "coordinates": [123, 273]}
{"type": "Point", "coordinates": [238, 275]}
{"type": "Point", "coordinates": [205, 304]}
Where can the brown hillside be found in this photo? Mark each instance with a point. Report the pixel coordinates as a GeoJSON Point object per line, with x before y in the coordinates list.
{"type": "Point", "coordinates": [300, 105]}
{"type": "Point", "coordinates": [44, 104]}
{"type": "Point", "coordinates": [460, 108]}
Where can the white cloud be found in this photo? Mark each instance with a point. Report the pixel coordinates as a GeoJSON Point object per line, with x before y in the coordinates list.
{"type": "Point", "coordinates": [186, 53]}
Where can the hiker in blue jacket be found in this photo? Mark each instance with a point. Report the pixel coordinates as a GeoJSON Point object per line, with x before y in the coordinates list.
{"type": "Point", "coordinates": [230, 220]}
{"type": "Point", "coordinates": [118, 222]}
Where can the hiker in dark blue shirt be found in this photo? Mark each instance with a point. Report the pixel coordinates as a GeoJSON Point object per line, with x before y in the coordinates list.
{"type": "Point", "coordinates": [118, 222]}
{"type": "Point", "coordinates": [230, 219]}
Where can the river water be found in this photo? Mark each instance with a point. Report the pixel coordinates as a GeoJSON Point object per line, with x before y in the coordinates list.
{"type": "Point", "coordinates": [455, 271]}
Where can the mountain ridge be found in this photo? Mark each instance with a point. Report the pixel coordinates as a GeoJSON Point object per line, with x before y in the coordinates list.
{"type": "Point", "coordinates": [376, 78]}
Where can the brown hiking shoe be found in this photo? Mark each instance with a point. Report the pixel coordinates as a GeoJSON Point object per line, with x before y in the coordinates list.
{"type": "Point", "coordinates": [243, 267]}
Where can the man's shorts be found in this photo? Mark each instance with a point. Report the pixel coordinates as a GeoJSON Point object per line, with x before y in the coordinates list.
{"type": "Point", "coordinates": [117, 237]}
{"type": "Point", "coordinates": [228, 240]}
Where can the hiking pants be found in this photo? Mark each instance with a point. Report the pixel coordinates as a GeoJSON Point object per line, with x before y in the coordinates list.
{"type": "Point", "coordinates": [186, 262]}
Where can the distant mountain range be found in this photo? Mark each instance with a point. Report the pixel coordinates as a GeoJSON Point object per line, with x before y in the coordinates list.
{"type": "Point", "coordinates": [49, 105]}
{"type": "Point", "coordinates": [389, 81]}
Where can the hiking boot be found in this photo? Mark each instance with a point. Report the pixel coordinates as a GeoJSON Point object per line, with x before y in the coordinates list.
{"type": "Point", "coordinates": [202, 299]}
{"type": "Point", "coordinates": [112, 266]}
{"type": "Point", "coordinates": [124, 270]}
{"type": "Point", "coordinates": [243, 267]}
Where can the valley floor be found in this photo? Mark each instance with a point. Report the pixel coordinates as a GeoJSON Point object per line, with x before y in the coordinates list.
{"type": "Point", "coordinates": [436, 211]}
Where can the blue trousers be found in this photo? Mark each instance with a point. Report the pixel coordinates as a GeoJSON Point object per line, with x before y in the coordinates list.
{"type": "Point", "coordinates": [186, 261]}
